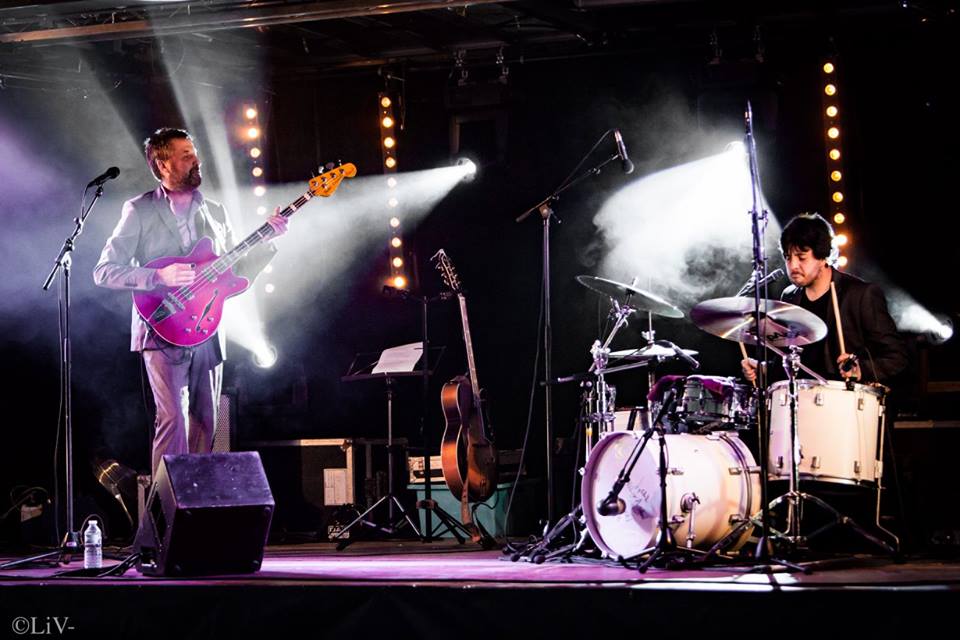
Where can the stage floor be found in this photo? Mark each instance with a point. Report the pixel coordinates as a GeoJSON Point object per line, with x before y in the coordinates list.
{"type": "Point", "coordinates": [413, 587]}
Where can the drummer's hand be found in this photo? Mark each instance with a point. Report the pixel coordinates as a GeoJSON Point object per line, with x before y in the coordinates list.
{"type": "Point", "coordinates": [749, 367]}
{"type": "Point", "coordinates": [853, 372]}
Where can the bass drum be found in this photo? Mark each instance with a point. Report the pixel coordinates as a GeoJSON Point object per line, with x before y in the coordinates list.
{"type": "Point", "coordinates": [710, 489]}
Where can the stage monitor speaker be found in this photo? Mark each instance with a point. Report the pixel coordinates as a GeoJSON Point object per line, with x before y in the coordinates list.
{"type": "Point", "coordinates": [206, 514]}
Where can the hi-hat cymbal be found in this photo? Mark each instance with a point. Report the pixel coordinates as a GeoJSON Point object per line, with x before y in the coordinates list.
{"type": "Point", "coordinates": [782, 324]}
{"type": "Point", "coordinates": [638, 298]}
{"type": "Point", "coordinates": [648, 352]}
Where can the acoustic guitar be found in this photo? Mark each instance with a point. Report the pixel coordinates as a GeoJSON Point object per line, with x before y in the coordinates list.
{"type": "Point", "coordinates": [468, 456]}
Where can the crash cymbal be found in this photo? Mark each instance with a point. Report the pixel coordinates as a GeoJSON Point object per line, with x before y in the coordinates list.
{"type": "Point", "coordinates": [648, 353]}
{"type": "Point", "coordinates": [638, 298]}
{"type": "Point", "coordinates": [782, 324]}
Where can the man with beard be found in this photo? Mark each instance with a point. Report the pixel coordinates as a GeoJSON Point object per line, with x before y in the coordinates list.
{"type": "Point", "coordinates": [874, 350]}
{"type": "Point", "coordinates": [169, 221]}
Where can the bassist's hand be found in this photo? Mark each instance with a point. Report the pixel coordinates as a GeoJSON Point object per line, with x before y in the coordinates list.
{"type": "Point", "coordinates": [176, 275]}
{"type": "Point", "coordinates": [278, 222]}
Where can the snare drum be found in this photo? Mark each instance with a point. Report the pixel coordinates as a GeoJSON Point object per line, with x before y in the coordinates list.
{"type": "Point", "coordinates": [839, 431]}
{"type": "Point", "coordinates": [710, 403]}
{"type": "Point", "coordinates": [710, 490]}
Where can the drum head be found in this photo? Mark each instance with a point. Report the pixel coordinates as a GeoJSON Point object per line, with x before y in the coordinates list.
{"type": "Point", "coordinates": [629, 533]}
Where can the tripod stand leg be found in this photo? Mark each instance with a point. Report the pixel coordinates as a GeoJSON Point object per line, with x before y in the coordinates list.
{"type": "Point", "coordinates": [846, 521]}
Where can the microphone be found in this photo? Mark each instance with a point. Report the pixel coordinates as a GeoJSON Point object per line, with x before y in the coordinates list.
{"type": "Point", "coordinates": [622, 152]}
{"type": "Point", "coordinates": [748, 118]}
{"type": "Point", "coordinates": [773, 276]}
{"type": "Point", "coordinates": [608, 507]}
{"type": "Point", "coordinates": [109, 174]}
{"type": "Point", "coordinates": [683, 355]}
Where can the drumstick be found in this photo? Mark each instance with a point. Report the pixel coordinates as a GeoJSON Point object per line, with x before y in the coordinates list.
{"type": "Point", "coordinates": [743, 350]}
{"type": "Point", "coordinates": [836, 315]}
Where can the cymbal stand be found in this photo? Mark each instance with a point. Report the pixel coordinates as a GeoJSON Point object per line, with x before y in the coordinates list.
{"type": "Point", "coordinates": [602, 416]}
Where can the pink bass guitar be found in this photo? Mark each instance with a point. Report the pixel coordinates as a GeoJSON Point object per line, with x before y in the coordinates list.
{"type": "Point", "coordinates": [189, 315]}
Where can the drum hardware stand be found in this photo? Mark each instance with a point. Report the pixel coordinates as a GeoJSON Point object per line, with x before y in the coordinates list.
{"type": "Point", "coordinates": [603, 417]}
{"type": "Point", "coordinates": [666, 551]}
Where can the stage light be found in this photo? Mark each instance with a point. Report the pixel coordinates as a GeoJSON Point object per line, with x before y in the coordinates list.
{"type": "Point", "coordinates": [830, 89]}
{"type": "Point", "coordinates": [251, 113]}
{"type": "Point", "coordinates": [840, 240]}
{"type": "Point", "coordinates": [255, 152]}
{"type": "Point", "coordinates": [268, 268]}
{"type": "Point", "coordinates": [269, 287]}
{"type": "Point", "coordinates": [257, 172]}
{"type": "Point", "coordinates": [832, 111]}
{"type": "Point", "coordinates": [833, 133]}
{"type": "Point", "coordinates": [259, 190]}
{"type": "Point", "coordinates": [836, 176]}
{"type": "Point", "coordinates": [400, 282]}
{"type": "Point", "coordinates": [398, 262]}
{"type": "Point", "coordinates": [261, 211]}
{"type": "Point", "coordinates": [253, 133]}
{"type": "Point", "coordinates": [943, 332]}
{"type": "Point", "coordinates": [387, 122]}
{"type": "Point", "coordinates": [391, 163]}
{"type": "Point", "coordinates": [834, 154]}
{"type": "Point", "coordinates": [391, 182]}
{"type": "Point", "coordinates": [394, 222]}
{"type": "Point", "coordinates": [392, 202]}
{"type": "Point", "coordinates": [468, 167]}
{"type": "Point", "coordinates": [839, 218]}
{"type": "Point", "coordinates": [828, 67]}
{"type": "Point", "coordinates": [838, 196]}
{"type": "Point", "coordinates": [842, 261]}
{"type": "Point", "coordinates": [389, 142]}
{"type": "Point", "coordinates": [265, 356]}
{"type": "Point", "coordinates": [396, 242]}
{"type": "Point", "coordinates": [385, 102]}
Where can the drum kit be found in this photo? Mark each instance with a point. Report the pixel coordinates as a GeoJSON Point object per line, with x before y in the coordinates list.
{"type": "Point", "coordinates": [672, 481]}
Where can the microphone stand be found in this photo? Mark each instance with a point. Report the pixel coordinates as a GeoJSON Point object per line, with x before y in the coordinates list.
{"type": "Point", "coordinates": [71, 542]}
{"type": "Point", "coordinates": [545, 209]}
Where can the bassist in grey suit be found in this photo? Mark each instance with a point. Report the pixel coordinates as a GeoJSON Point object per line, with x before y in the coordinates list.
{"type": "Point", "coordinates": [168, 221]}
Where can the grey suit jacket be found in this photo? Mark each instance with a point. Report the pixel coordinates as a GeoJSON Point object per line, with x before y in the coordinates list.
{"type": "Point", "coordinates": [148, 230]}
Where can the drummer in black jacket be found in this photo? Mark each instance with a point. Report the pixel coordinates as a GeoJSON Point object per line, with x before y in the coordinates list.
{"type": "Point", "coordinates": [874, 350]}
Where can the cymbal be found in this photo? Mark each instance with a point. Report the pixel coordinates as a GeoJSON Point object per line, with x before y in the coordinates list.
{"type": "Point", "coordinates": [638, 298]}
{"type": "Point", "coordinates": [783, 324]}
{"type": "Point", "coordinates": [648, 352]}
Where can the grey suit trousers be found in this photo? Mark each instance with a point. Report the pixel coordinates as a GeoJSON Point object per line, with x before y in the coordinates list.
{"type": "Point", "coordinates": [186, 390]}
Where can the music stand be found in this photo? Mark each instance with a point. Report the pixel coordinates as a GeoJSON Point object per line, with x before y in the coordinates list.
{"type": "Point", "coordinates": [361, 370]}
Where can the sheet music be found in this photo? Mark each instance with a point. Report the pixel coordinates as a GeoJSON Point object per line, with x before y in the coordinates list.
{"type": "Point", "coordinates": [400, 359]}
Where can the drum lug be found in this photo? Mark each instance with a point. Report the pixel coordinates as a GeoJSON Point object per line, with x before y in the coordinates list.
{"type": "Point", "coordinates": [856, 467]}
{"type": "Point", "coordinates": [675, 472]}
{"type": "Point", "coordinates": [734, 471]}
{"type": "Point", "coordinates": [818, 399]}
{"type": "Point", "coordinates": [815, 463]}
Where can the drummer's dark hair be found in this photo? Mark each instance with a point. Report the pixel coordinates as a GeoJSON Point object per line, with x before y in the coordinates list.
{"type": "Point", "coordinates": [809, 231]}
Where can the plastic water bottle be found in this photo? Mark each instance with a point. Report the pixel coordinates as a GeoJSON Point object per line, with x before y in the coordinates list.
{"type": "Point", "coordinates": [92, 546]}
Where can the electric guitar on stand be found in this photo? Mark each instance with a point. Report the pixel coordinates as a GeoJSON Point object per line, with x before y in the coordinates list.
{"type": "Point", "coordinates": [189, 315]}
{"type": "Point", "coordinates": [468, 456]}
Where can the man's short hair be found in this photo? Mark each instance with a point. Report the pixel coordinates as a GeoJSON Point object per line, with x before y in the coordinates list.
{"type": "Point", "coordinates": [809, 231]}
{"type": "Point", "coordinates": [157, 146]}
